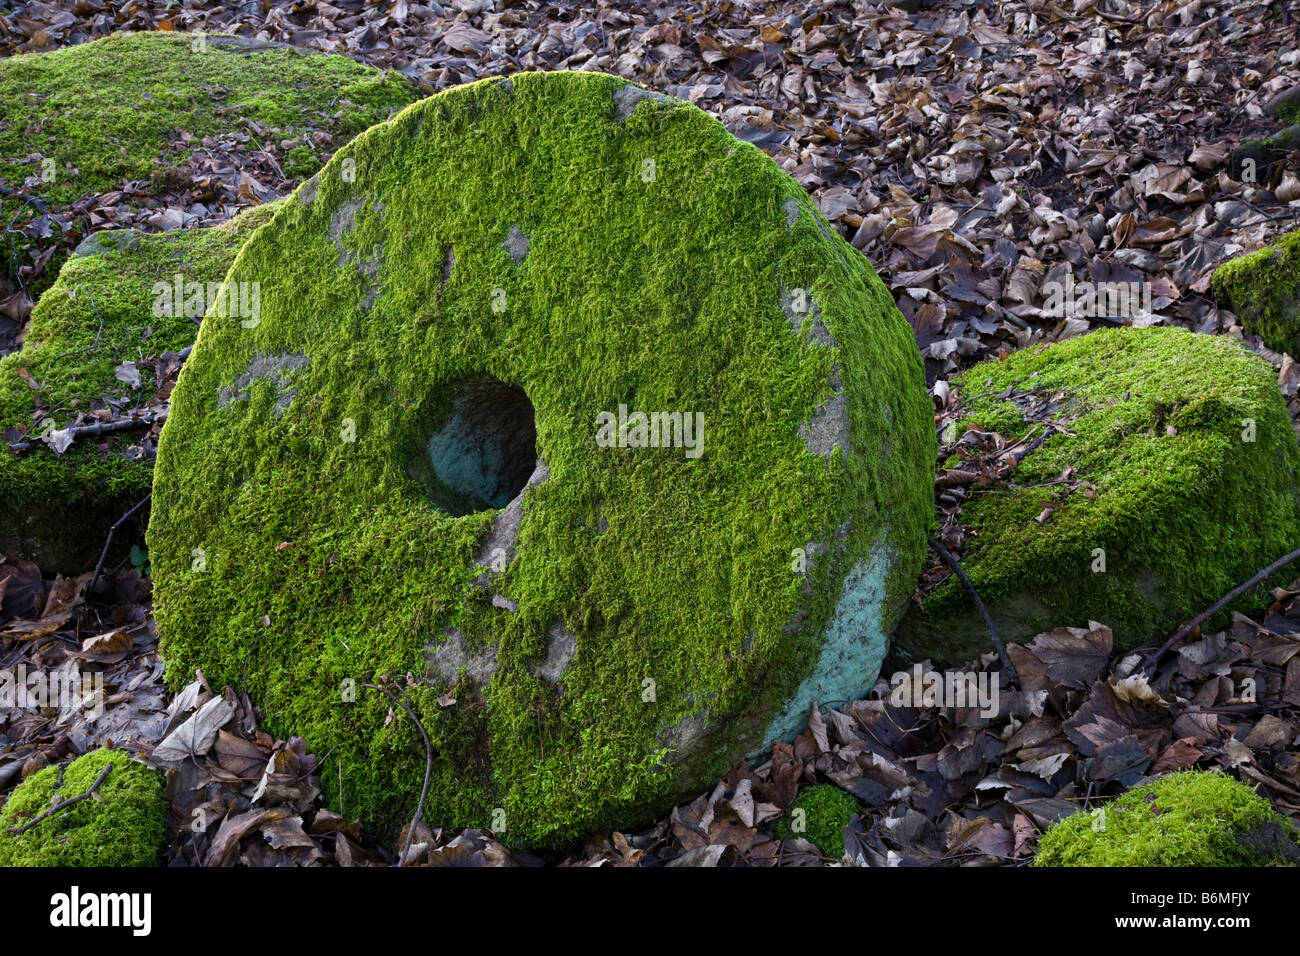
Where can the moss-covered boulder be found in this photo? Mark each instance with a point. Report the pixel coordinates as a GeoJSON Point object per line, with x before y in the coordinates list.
{"type": "Point", "coordinates": [1195, 818]}
{"type": "Point", "coordinates": [124, 823]}
{"type": "Point", "coordinates": [114, 302]}
{"type": "Point", "coordinates": [1171, 475]}
{"type": "Point", "coordinates": [820, 815]}
{"type": "Point", "coordinates": [570, 405]}
{"type": "Point", "coordinates": [1263, 289]}
{"type": "Point", "coordinates": [86, 119]}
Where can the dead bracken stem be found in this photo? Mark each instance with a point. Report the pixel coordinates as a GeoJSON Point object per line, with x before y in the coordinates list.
{"type": "Point", "coordinates": [428, 762]}
{"type": "Point", "coordinates": [1007, 667]}
{"type": "Point", "coordinates": [16, 831]}
{"type": "Point", "coordinates": [1219, 605]}
{"type": "Point", "coordinates": [99, 566]}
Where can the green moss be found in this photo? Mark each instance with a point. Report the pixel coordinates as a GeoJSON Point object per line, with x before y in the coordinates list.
{"type": "Point", "coordinates": [124, 825]}
{"type": "Point", "coordinates": [133, 105]}
{"type": "Point", "coordinates": [1195, 818]}
{"type": "Point", "coordinates": [660, 293]}
{"type": "Point", "coordinates": [820, 815]}
{"type": "Point", "coordinates": [99, 313]}
{"type": "Point", "coordinates": [1182, 517]}
{"type": "Point", "coordinates": [1263, 289]}
{"type": "Point", "coordinates": [300, 162]}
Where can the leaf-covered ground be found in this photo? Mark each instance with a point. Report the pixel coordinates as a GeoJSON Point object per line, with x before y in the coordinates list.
{"type": "Point", "coordinates": [936, 785]}
{"type": "Point", "coordinates": [974, 151]}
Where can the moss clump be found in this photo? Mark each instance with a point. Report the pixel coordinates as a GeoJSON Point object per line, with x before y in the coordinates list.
{"type": "Point", "coordinates": [133, 104]}
{"type": "Point", "coordinates": [820, 815]}
{"type": "Point", "coordinates": [1195, 818]}
{"type": "Point", "coordinates": [125, 826]}
{"type": "Point", "coordinates": [104, 309]}
{"type": "Point", "coordinates": [300, 162]}
{"type": "Point", "coordinates": [656, 615]}
{"type": "Point", "coordinates": [1263, 289]}
{"type": "Point", "coordinates": [1192, 464]}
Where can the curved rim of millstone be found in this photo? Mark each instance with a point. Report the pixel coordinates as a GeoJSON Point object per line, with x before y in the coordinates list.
{"type": "Point", "coordinates": [635, 618]}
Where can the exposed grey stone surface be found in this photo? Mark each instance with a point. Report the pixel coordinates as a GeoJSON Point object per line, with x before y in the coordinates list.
{"type": "Point", "coordinates": [626, 98]}
{"type": "Point", "coordinates": [790, 301]}
{"type": "Point", "coordinates": [791, 209]}
{"type": "Point", "coordinates": [503, 539]}
{"type": "Point", "coordinates": [828, 427]}
{"type": "Point", "coordinates": [278, 369]}
{"type": "Point", "coordinates": [559, 652]}
{"type": "Point", "coordinates": [517, 245]}
{"type": "Point", "coordinates": [107, 240]}
{"type": "Point", "coordinates": [344, 219]}
{"type": "Point", "coordinates": [450, 657]}
{"type": "Point", "coordinates": [307, 192]}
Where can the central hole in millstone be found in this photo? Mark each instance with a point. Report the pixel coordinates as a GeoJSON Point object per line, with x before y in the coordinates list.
{"type": "Point", "coordinates": [486, 449]}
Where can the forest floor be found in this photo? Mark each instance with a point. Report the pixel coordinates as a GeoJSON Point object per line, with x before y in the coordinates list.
{"type": "Point", "coordinates": [973, 151]}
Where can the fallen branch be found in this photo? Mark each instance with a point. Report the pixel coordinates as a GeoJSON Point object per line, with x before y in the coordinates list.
{"type": "Point", "coordinates": [1017, 456]}
{"type": "Point", "coordinates": [99, 428]}
{"type": "Point", "coordinates": [428, 763]}
{"type": "Point", "coordinates": [17, 831]}
{"type": "Point", "coordinates": [953, 563]}
{"type": "Point", "coordinates": [99, 566]}
{"type": "Point", "coordinates": [24, 197]}
{"type": "Point", "coordinates": [1219, 605]}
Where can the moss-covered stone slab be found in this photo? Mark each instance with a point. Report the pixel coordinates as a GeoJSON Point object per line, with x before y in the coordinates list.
{"type": "Point", "coordinates": [1263, 289]}
{"type": "Point", "coordinates": [114, 305]}
{"type": "Point", "coordinates": [123, 824]}
{"type": "Point", "coordinates": [1172, 476]}
{"type": "Point", "coordinates": [570, 405]}
{"type": "Point", "coordinates": [1196, 818]}
{"type": "Point", "coordinates": [86, 119]}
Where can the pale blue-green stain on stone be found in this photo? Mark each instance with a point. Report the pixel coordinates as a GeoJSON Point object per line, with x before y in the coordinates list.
{"type": "Point", "coordinates": [463, 462]}
{"type": "Point", "coordinates": [853, 647]}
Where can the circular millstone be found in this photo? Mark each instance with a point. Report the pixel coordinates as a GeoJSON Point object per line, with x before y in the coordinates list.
{"type": "Point", "coordinates": [425, 454]}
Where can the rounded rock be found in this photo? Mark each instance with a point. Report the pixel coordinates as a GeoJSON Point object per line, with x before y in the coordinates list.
{"type": "Point", "coordinates": [1160, 469]}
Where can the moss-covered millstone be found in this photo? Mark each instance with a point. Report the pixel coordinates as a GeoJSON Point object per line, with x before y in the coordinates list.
{"type": "Point", "coordinates": [115, 301]}
{"type": "Point", "coordinates": [131, 107]}
{"type": "Point", "coordinates": [409, 464]}
{"type": "Point", "coordinates": [1195, 818]}
{"type": "Point", "coordinates": [123, 824]}
{"type": "Point", "coordinates": [820, 815]}
{"type": "Point", "coordinates": [1181, 483]}
{"type": "Point", "coordinates": [1263, 289]}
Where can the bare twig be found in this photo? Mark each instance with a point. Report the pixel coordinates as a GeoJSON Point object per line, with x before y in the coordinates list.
{"type": "Point", "coordinates": [428, 764]}
{"type": "Point", "coordinates": [65, 804]}
{"type": "Point", "coordinates": [99, 566]}
{"type": "Point", "coordinates": [24, 197]}
{"type": "Point", "coordinates": [1219, 605]}
{"type": "Point", "coordinates": [1019, 455]}
{"type": "Point", "coordinates": [953, 563]}
{"type": "Point", "coordinates": [99, 428]}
